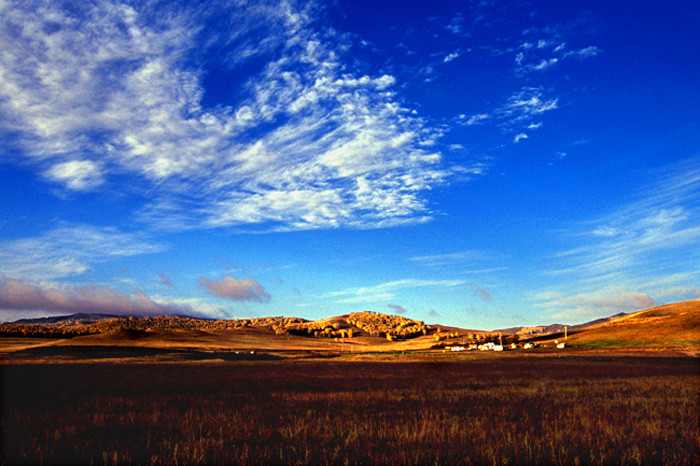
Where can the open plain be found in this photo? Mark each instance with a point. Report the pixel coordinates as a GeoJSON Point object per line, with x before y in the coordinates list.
{"type": "Point", "coordinates": [258, 393]}
{"type": "Point", "coordinates": [467, 409]}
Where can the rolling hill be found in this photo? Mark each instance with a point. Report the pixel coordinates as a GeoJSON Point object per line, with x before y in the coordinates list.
{"type": "Point", "coordinates": [673, 326]}
{"type": "Point", "coordinates": [670, 326]}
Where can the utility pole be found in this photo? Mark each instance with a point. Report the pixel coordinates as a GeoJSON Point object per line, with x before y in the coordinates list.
{"type": "Point", "coordinates": [566, 337]}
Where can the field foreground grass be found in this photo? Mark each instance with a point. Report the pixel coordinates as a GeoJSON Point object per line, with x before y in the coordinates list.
{"type": "Point", "coordinates": [587, 409]}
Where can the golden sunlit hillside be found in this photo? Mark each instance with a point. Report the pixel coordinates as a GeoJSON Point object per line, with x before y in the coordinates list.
{"type": "Point", "coordinates": [674, 326]}
{"type": "Point", "coordinates": [352, 333]}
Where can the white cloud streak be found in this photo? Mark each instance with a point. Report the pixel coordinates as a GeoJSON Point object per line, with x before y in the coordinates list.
{"type": "Point", "coordinates": [455, 258]}
{"type": "Point", "coordinates": [385, 291]}
{"type": "Point", "coordinates": [450, 57]}
{"type": "Point", "coordinates": [519, 137]}
{"type": "Point", "coordinates": [517, 114]}
{"type": "Point", "coordinates": [68, 251]}
{"type": "Point", "coordinates": [476, 119]}
{"type": "Point", "coordinates": [546, 54]}
{"type": "Point", "coordinates": [583, 53]}
{"type": "Point", "coordinates": [110, 89]}
{"type": "Point", "coordinates": [525, 104]}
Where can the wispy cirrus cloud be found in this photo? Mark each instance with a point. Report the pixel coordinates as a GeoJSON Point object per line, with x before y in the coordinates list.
{"type": "Point", "coordinates": [385, 291]}
{"type": "Point", "coordinates": [586, 52]}
{"type": "Point", "coordinates": [649, 247]}
{"type": "Point", "coordinates": [525, 104]}
{"type": "Point", "coordinates": [592, 305]}
{"type": "Point", "coordinates": [461, 257]}
{"type": "Point", "coordinates": [306, 142]}
{"type": "Point", "coordinates": [477, 119]}
{"type": "Point", "coordinates": [546, 48]}
{"type": "Point", "coordinates": [69, 250]}
{"type": "Point", "coordinates": [643, 234]}
{"type": "Point", "coordinates": [519, 114]}
{"type": "Point", "coordinates": [548, 54]}
{"type": "Point", "coordinates": [456, 24]}
{"type": "Point", "coordinates": [539, 51]}
{"type": "Point", "coordinates": [19, 298]}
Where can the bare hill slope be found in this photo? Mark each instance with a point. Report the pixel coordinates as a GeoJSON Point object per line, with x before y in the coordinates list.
{"type": "Point", "coordinates": [670, 326]}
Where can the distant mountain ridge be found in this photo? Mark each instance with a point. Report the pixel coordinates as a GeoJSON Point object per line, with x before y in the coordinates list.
{"type": "Point", "coordinates": [539, 330]}
{"type": "Point", "coordinates": [69, 320]}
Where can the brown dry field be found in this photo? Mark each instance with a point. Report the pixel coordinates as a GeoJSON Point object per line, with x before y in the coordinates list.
{"type": "Point", "coordinates": [109, 405]}
{"type": "Point", "coordinates": [222, 342]}
{"type": "Point", "coordinates": [625, 392]}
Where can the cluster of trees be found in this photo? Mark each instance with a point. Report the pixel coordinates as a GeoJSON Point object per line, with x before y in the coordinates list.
{"type": "Point", "coordinates": [439, 335]}
{"type": "Point", "coordinates": [144, 323]}
{"type": "Point", "coordinates": [321, 330]}
{"type": "Point", "coordinates": [148, 323]}
{"type": "Point", "coordinates": [389, 326]}
{"type": "Point", "coordinates": [41, 331]}
{"type": "Point", "coordinates": [279, 324]}
{"type": "Point", "coordinates": [189, 323]}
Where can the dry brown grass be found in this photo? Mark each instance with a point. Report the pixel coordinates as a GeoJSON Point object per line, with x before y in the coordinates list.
{"type": "Point", "coordinates": [243, 339]}
{"type": "Point", "coordinates": [13, 344]}
{"type": "Point", "coordinates": [513, 410]}
{"type": "Point", "coordinates": [674, 326]}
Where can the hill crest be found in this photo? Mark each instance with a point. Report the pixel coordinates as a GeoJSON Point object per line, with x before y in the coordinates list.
{"type": "Point", "coordinates": [671, 325]}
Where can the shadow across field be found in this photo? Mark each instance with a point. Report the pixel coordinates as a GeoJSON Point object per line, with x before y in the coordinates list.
{"type": "Point", "coordinates": [129, 353]}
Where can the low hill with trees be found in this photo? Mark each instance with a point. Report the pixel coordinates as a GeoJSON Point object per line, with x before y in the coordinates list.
{"type": "Point", "coordinates": [671, 326]}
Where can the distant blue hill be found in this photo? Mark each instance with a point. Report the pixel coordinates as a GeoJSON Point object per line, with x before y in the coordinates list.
{"type": "Point", "coordinates": [73, 319]}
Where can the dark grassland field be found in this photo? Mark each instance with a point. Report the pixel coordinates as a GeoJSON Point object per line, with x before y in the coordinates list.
{"type": "Point", "coordinates": [577, 409]}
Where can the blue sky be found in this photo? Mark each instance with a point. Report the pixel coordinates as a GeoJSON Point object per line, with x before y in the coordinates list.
{"type": "Point", "coordinates": [479, 164]}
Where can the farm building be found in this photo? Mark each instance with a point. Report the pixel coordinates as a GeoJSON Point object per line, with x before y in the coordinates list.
{"type": "Point", "coordinates": [487, 346]}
